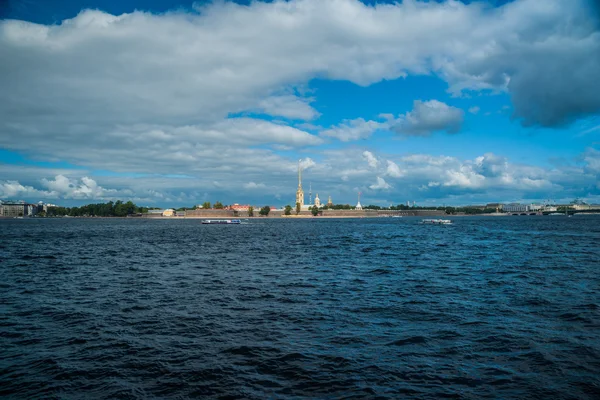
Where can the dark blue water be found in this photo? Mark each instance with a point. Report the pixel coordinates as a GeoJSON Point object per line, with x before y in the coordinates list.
{"type": "Point", "coordinates": [371, 308]}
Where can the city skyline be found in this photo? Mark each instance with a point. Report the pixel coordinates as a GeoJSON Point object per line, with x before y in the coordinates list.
{"type": "Point", "coordinates": [442, 103]}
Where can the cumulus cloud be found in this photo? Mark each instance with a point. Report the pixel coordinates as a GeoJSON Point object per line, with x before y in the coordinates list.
{"type": "Point", "coordinates": [307, 163]}
{"type": "Point", "coordinates": [370, 158]}
{"type": "Point", "coordinates": [353, 130]}
{"type": "Point", "coordinates": [14, 190]}
{"type": "Point", "coordinates": [101, 71]}
{"type": "Point", "coordinates": [162, 93]}
{"type": "Point", "coordinates": [393, 170]}
{"type": "Point", "coordinates": [61, 187]}
{"type": "Point", "coordinates": [86, 188]}
{"type": "Point", "coordinates": [491, 165]}
{"type": "Point", "coordinates": [430, 116]}
{"type": "Point", "coordinates": [381, 184]}
{"type": "Point", "coordinates": [422, 177]}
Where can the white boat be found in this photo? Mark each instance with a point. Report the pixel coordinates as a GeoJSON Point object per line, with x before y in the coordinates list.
{"type": "Point", "coordinates": [222, 221]}
{"type": "Point", "coordinates": [437, 221]}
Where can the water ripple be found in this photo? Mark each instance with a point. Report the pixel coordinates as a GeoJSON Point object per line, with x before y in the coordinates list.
{"type": "Point", "coordinates": [372, 308]}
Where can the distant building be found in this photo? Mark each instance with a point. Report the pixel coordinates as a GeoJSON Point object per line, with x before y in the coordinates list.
{"type": "Point", "coordinates": [516, 207]}
{"type": "Point", "coordinates": [497, 206]}
{"type": "Point", "coordinates": [358, 205]}
{"type": "Point", "coordinates": [168, 212]}
{"type": "Point", "coordinates": [240, 207]}
{"type": "Point", "coordinates": [317, 201]}
{"type": "Point", "coordinates": [329, 202]}
{"type": "Point", "coordinates": [15, 209]}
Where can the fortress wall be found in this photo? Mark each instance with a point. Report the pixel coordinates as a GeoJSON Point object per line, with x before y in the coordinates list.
{"type": "Point", "coordinates": [202, 213]}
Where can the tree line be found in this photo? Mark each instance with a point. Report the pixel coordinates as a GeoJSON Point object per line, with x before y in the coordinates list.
{"type": "Point", "coordinates": [110, 209]}
{"type": "Point", "coordinates": [121, 209]}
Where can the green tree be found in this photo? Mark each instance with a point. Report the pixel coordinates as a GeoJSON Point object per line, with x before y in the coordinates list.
{"type": "Point", "coordinates": [314, 210]}
{"type": "Point", "coordinates": [288, 210]}
{"type": "Point", "coordinates": [298, 208]}
{"type": "Point", "coordinates": [206, 205]}
{"type": "Point", "coordinates": [265, 211]}
{"type": "Point", "coordinates": [251, 211]}
{"type": "Point", "coordinates": [218, 205]}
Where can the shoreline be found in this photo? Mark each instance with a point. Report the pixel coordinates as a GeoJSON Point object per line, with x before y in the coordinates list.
{"type": "Point", "coordinates": [294, 217]}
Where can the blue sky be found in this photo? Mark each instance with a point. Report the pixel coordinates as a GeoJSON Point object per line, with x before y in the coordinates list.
{"type": "Point", "coordinates": [173, 103]}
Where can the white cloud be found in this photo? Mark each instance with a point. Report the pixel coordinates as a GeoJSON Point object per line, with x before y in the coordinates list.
{"type": "Point", "coordinates": [393, 170]}
{"type": "Point", "coordinates": [62, 187]}
{"type": "Point", "coordinates": [430, 116]}
{"type": "Point", "coordinates": [353, 130]}
{"type": "Point", "coordinates": [289, 107]}
{"type": "Point", "coordinates": [102, 80]}
{"type": "Point", "coordinates": [159, 93]}
{"type": "Point", "coordinates": [14, 190]}
{"type": "Point", "coordinates": [86, 188]}
{"type": "Point", "coordinates": [424, 177]}
{"type": "Point", "coordinates": [381, 184]}
{"type": "Point", "coordinates": [307, 163]}
{"type": "Point", "coordinates": [370, 158]}
{"type": "Point", "coordinates": [474, 109]}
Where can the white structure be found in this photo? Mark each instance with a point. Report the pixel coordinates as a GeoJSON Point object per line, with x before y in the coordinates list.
{"type": "Point", "coordinates": [317, 201]}
{"type": "Point", "coordinates": [358, 206]}
{"type": "Point", "coordinates": [516, 207]}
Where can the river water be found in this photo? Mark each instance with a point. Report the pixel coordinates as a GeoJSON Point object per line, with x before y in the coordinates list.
{"type": "Point", "coordinates": [355, 308]}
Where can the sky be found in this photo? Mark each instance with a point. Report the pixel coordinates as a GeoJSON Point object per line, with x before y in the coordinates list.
{"type": "Point", "coordinates": [174, 103]}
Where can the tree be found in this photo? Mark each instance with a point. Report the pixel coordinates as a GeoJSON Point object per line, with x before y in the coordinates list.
{"type": "Point", "coordinates": [314, 210]}
{"type": "Point", "coordinates": [265, 211]}
{"type": "Point", "coordinates": [288, 210]}
{"type": "Point", "coordinates": [218, 205]}
{"type": "Point", "coordinates": [251, 211]}
{"type": "Point", "coordinates": [206, 205]}
{"type": "Point", "coordinates": [298, 208]}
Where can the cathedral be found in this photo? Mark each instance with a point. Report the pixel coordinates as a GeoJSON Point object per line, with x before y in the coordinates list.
{"type": "Point", "coordinates": [300, 194]}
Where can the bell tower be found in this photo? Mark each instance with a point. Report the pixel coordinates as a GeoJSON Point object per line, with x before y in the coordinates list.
{"type": "Point", "coordinates": [300, 192]}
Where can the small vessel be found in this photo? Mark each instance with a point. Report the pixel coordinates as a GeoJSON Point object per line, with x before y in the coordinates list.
{"type": "Point", "coordinates": [222, 221]}
{"type": "Point", "coordinates": [437, 221]}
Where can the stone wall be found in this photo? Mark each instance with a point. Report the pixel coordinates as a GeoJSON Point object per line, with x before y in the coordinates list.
{"type": "Point", "coordinates": [205, 213]}
{"type": "Point", "coordinates": [412, 213]}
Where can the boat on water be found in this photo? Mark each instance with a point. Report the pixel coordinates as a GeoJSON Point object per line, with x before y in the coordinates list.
{"type": "Point", "coordinates": [437, 221]}
{"type": "Point", "coordinates": [222, 221]}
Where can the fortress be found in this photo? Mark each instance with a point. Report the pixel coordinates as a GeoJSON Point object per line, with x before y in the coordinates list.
{"type": "Point", "coordinates": [300, 194]}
